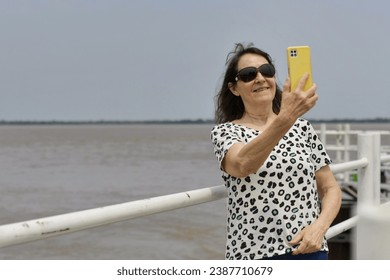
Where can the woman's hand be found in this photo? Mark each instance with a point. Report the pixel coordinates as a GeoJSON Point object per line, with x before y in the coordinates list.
{"type": "Point", "coordinates": [297, 102]}
{"type": "Point", "coordinates": [309, 240]}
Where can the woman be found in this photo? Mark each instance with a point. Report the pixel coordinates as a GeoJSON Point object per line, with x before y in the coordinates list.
{"type": "Point", "coordinates": [283, 196]}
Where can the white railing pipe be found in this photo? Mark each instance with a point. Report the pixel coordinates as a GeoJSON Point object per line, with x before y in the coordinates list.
{"type": "Point", "coordinates": [22, 232]}
{"type": "Point", "coordinates": [323, 133]}
{"type": "Point", "coordinates": [385, 158]}
{"type": "Point", "coordinates": [369, 186]}
{"type": "Point", "coordinates": [61, 224]}
{"type": "Point", "coordinates": [347, 144]}
{"type": "Point", "coordinates": [347, 166]}
{"type": "Point", "coordinates": [341, 227]}
{"type": "Point", "coordinates": [369, 183]}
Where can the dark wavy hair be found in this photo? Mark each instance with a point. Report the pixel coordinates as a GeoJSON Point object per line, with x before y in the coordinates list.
{"type": "Point", "coordinates": [230, 107]}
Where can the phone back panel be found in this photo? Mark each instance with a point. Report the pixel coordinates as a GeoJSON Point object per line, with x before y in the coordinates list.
{"type": "Point", "coordinates": [299, 63]}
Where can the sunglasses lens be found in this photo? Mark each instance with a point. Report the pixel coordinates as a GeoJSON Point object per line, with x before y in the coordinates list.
{"type": "Point", "coordinates": [267, 70]}
{"type": "Point", "coordinates": [249, 74]}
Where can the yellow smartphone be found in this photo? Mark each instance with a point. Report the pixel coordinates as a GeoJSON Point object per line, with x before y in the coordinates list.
{"type": "Point", "coordinates": [299, 63]}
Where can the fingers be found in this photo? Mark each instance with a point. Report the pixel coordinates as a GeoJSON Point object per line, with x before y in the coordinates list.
{"type": "Point", "coordinates": [302, 81]}
{"type": "Point", "coordinates": [287, 85]}
{"type": "Point", "coordinates": [297, 241]}
{"type": "Point", "coordinates": [312, 90]}
{"type": "Point", "coordinates": [300, 85]}
{"type": "Point", "coordinates": [297, 102]}
{"type": "Point", "coordinates": [297, 238]}
{"type": "Point", "coordinates": [305, 242]}
{"type": "Point", "coordinates": [310, 95]}
{"type": "Point", "coordinates": [305, 246]}
{"type": "Point", "coordinates": [300, 250]}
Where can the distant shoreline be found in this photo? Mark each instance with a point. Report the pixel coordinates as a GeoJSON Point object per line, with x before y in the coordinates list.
{"type": "Point", "coordinates": [184, 121]}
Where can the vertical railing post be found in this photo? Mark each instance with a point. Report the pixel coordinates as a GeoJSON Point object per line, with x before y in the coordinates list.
{"type": "Point", "coordinates": [323, 134]}
{"type": "Point", "coordinates": [347, 149]}
{"type": "Point", "coordinates": [369, 183]}
{"type": "Point", "coordinates": [339, 136]}
{"type": "Point", "coordinates": [368, 196]}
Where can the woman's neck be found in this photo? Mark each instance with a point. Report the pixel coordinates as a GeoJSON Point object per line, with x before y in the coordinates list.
{"type": "Point", "coordinates": [258, 121]}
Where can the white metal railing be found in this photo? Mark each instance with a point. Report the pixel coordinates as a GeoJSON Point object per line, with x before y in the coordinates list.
{"type": "Point", "coordinates": [368, 164]}
{"type": "Point", "coordinates": [61, 224]}
{"type": "Point", "coordinates": [342, 146]}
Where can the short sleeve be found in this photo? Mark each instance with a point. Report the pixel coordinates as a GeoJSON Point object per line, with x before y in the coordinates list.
{"type": "Point", "coordinates": [319, 156]}
{"type": "Point", "coordinates": [223, 136]}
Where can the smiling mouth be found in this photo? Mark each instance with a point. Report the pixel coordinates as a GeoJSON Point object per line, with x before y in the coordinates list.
{"type": "Point", "coordinates": [261, 89]}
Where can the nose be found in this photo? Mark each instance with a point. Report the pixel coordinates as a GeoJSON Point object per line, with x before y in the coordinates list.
{"type": "Point", "coordinates": [259, 77]}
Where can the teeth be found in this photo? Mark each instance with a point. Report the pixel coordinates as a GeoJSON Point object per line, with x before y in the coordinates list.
{"type": "Point", "coordinates": [260, 89]}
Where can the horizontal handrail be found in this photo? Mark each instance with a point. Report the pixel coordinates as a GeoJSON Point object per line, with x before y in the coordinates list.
{"type": "Point", "coordinates": [26, 231]}
{"type": "Point", "coordinates": [352, 132]}
{"type": "Point", "coordinates": [350, 148]}
{"type": "Point", "coordinates": [341, 227]}
{"type": "Point", "coordinates": [22, 232]}
{"type": "Point", "coordinates": [385, 158]}
{"type": "Point", "coordinates": [347, 224]}
{"type": "Point", "coordinates": [350, 165]}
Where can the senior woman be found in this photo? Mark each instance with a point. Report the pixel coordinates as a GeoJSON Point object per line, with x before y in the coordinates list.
{"type": "Point", "coordinates": [282, 195]}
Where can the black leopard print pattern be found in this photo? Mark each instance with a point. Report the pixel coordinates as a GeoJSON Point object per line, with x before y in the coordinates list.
{"type": "Point", "coordinates": [268, 208]}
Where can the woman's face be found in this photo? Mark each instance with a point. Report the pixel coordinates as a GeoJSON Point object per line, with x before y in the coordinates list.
{"type": "Point", "coordinates": [261, 90]}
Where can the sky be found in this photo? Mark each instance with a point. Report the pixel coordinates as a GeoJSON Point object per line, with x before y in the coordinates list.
{"type": "Point", "coordinates": [164, 60]}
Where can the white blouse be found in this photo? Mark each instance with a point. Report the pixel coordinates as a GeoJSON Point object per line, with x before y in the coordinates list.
{"type": "Point", "coordinates": [268, 208]}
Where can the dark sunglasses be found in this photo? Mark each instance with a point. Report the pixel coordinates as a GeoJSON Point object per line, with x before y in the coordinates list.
{"type": "Point", "coordinates": [248, 74]}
